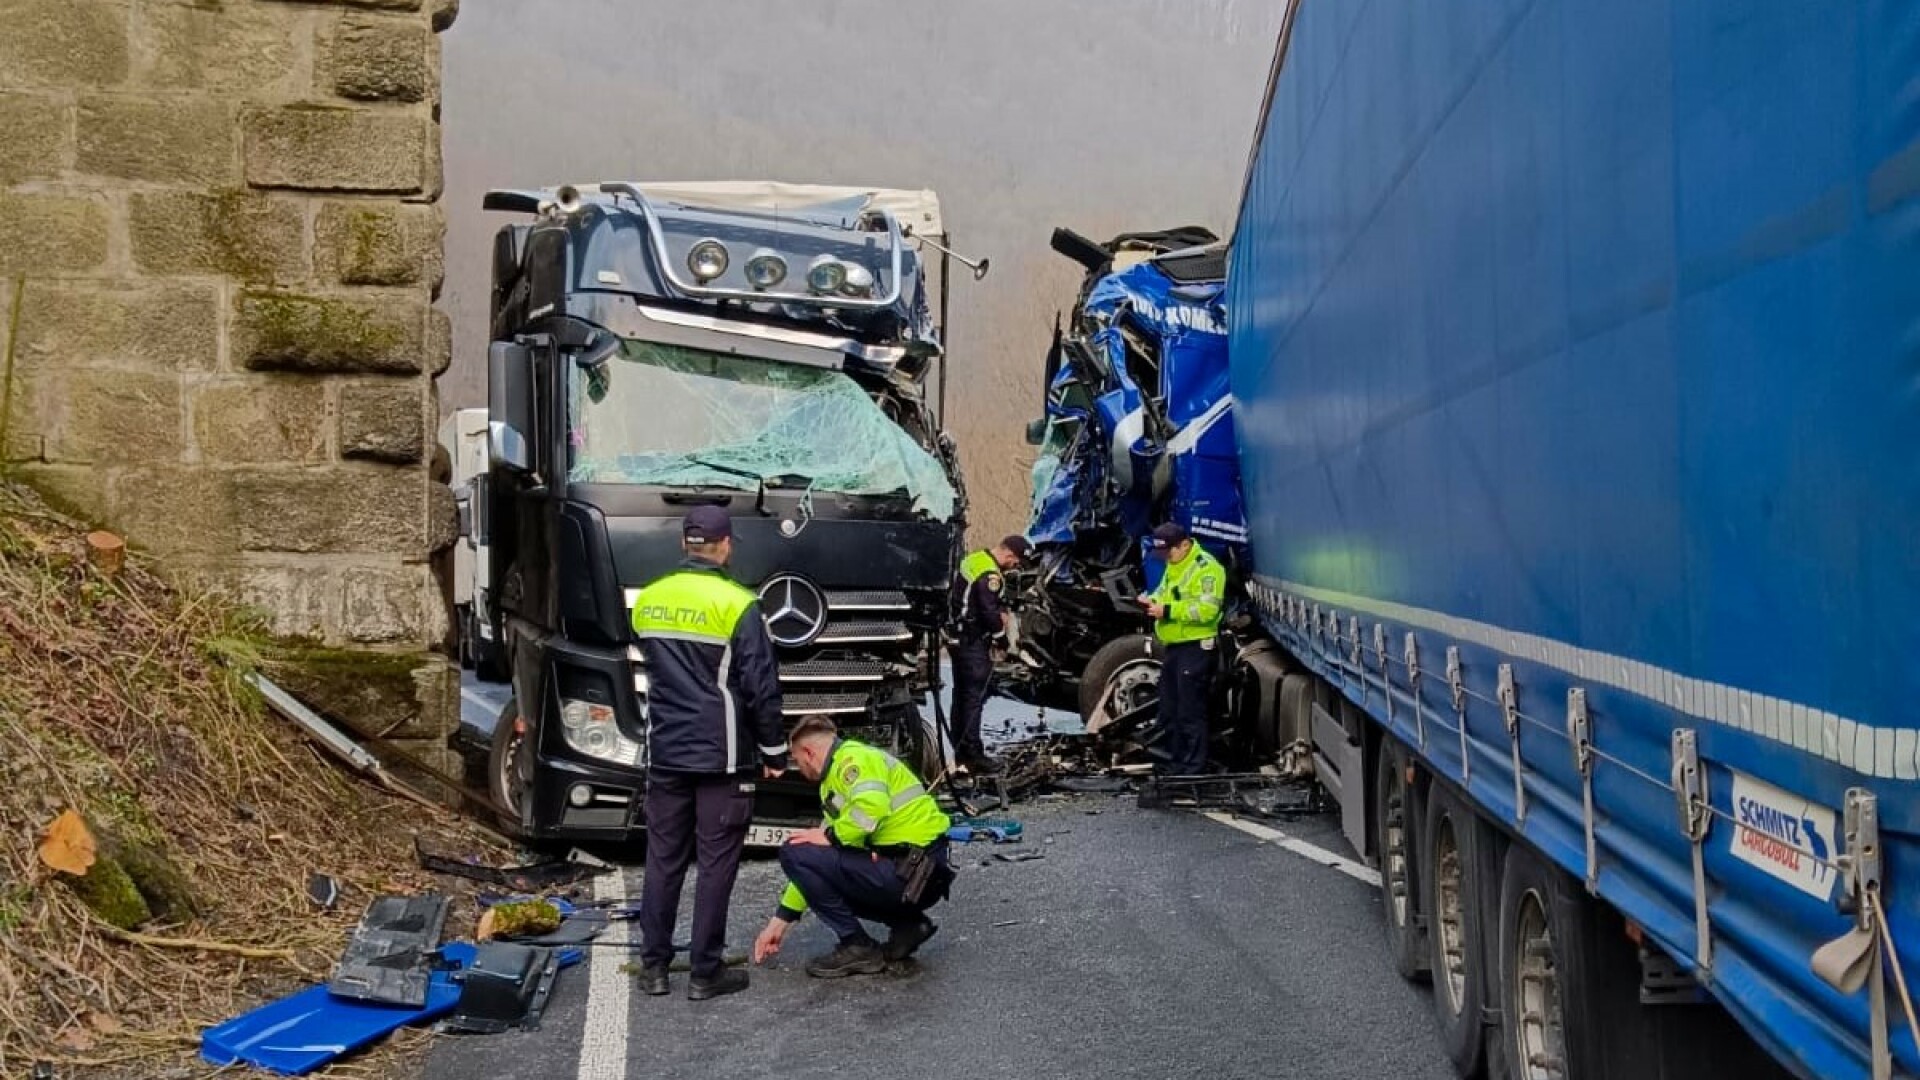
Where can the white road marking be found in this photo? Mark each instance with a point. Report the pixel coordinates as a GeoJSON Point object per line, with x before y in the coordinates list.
{"type": "Point", "coordinates": [1314, 852]}
{"type": "Point", "coordinates": [603, 1036]}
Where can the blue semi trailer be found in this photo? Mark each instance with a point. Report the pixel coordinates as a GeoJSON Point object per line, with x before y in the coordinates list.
{"type": "Point", "coordinates": [1575, 352]}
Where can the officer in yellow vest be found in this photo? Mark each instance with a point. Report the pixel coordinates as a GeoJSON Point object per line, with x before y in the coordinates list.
{"type": "Point", "coordinates": [881, 855]}
{"type": "Point", "coordinates": [977, 620]}
{"type": "Point", "coordinates": [714, 727]}
{"type": "Point", "coordinates": [1186, 619]}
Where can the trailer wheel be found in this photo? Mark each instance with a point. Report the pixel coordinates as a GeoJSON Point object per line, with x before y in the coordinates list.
{"type": "Point", "coordinates": [1395, 841]}
{"type": "Point", "coordinates": [506, 774]}
{"type": "Point", "coordinates": [1126, 669]}
{"type": "Point", "coordinates": [1448, 858]}
{"type": "Point", "coordinates": [1542, 932]}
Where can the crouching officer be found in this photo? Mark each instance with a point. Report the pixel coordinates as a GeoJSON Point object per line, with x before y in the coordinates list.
{"type": "Point", "coordinates": [881, 855]}
{"type": "Point", "coordinates": [977, 619]}
{"type": "Point", "coordinates": [1186, 619]}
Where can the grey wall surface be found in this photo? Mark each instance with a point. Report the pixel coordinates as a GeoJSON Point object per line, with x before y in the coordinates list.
{"type": "Point", "coordinates": [1103, 115]}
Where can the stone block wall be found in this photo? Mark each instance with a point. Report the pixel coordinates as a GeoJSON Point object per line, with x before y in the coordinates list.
{"type": "Point", "coordinates": [219, 252]}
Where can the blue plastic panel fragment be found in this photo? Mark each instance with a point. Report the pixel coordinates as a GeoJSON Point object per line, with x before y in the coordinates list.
{"type": "Point", "coordinates": [298, 1034]}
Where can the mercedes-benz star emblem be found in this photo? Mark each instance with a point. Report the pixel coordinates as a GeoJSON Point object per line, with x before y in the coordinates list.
{"type": "Point", "coordinates": [794, 608]}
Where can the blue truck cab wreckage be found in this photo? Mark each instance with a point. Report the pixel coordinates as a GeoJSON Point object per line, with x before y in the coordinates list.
{"type": "Point", "coordinates": [1571, 352]}
{"type": "Point", "coordinates": [1137, 430]}
{"type": "Point", "coordinates": [757, 346]}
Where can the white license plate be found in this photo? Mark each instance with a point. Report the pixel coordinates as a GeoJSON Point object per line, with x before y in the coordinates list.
{"type": "Point", "coordinates": [768, 835]}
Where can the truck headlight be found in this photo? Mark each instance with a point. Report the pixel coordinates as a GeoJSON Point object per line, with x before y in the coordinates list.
{"type": "Point", "coordinates": [766, 269]}
{"type": "Point", "coordinates": [859, 282]}
{"type": "Point", "coordinates": [707, 259]}
{"type": "Point", "coordinates": [825, 274]}
{"type": "Point", "coordinates": [589, 728]}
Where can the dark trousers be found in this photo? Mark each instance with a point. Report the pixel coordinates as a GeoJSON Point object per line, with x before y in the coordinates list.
{"type": "Point", "coordinates": [972, 675]}
{"type": "Point", "coordinates": [845, 885]}
{"type": "Point", "coordinates": [691, 817]}
{"type": "Point", "coordinates": [1186, 683]}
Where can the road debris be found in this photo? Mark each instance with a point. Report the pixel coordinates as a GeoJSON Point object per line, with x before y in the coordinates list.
{"type": "Point", "coordinates": [998, 830]}
{"type": "Point", "coordinates": [519, 919]}
{"type": "Point", "coordinates": [526, 877]}
{"type": "Point", "coordinates": [306, 1031]}
{"type": "Point", "coordinates": [323, 891]}
{"type": "Point", "coordinates": [389, 958]}
{"type": "Point", "coordinates": [1028, 855]}
{"type": "Point", "coordinates": [505, 987]}
{"type": "Point", "coordinates": [1261, 794]}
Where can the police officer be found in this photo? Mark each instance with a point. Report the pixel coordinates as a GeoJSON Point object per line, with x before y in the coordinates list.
{"type": "Point", "coordinates": [713, 707]}
{"type": "Point", "coordinates": [978, 619]}
{"type": "Point", "coordinates": [1186, 619]}
{"type": "Point", "coordinates": [881, 855]}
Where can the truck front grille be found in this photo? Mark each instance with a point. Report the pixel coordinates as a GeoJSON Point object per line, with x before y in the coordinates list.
{"type": "Point", "coordinates": [837, 704]}
{"type": "Point", "coordinates": [836, 671]}
{"type": "Point", "coordinates": [863, 632]}
{"type": "Point", "coordinates": [867, 600]}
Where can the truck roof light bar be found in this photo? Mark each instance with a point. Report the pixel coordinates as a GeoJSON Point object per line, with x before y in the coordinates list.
{"type": "Point", "coordinates": [657, 237]}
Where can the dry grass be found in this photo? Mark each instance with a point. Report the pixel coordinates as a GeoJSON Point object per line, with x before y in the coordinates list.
{"type": "Point", "coordinates": [123, 699]}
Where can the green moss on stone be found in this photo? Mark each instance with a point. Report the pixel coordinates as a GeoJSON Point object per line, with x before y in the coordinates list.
{"type": "Point", "coordinates": [234, 225]}
{"type": "Point", "coordinates": [308, 333]}
{"type": "Point", "coordinates": [110, 893]}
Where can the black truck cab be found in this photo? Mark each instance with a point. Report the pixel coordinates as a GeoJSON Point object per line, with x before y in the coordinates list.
{"type": "Point", "coordinates": [760, 347]}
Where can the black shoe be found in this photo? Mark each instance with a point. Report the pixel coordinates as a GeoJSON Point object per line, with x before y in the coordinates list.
{"type": "Point", "coordinates": [849, 958]}
{"type": "Point", "coordinates": [728, 981]}
{"type": "Point", "coordinates": [906, 940]}
{"type": "Point", "coordinates": [653, 980]}
{"type": "Point", "coordinates": [979, 765]}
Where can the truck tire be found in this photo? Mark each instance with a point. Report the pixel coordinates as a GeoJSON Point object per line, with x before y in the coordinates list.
{"type": "Point", "coordinates": [1120, 654]}
{"type": "Point", "coordinates": [1296, 708]}
{"type": "Point", "coordinates": [506, 782]}
{"type": "Point", "coordinates": [1569, 993]}
{"type": "Point", "coordinates": [1395, 842]}
{"type": "Point", "coordinates": [1259, 674]}
{"type": "Point", "coordinates": [1453, 900]}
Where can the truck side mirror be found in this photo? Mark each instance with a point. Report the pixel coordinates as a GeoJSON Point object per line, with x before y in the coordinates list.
{"type": "Point", "coordinates": [463, 510]}
{"type": "Point", "coordinates": [593, 361]}
{"type": "Point", "coordinates": [1036, 431]}
{"type": "Point", "coordinates": [509, 405]}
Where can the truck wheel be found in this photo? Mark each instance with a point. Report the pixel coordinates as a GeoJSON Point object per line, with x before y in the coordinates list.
{"type": "Point", "coordinates": [1448, 859]}
{"type": "Point", "coordinates": [1126, 670]}
{"type": "Point", "coordinates": [505, 772]}
{"type": "Point", "coordinates": [1543, 932]}
{"type": "Point", "coordinates": [1395, 841]}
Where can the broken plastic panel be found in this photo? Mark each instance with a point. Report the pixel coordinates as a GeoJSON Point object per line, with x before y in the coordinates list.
{"type": "Point", "coordinates": [305, 1031]}
{"type": "Point", "coordinates": [506, 986]}
{"type": "Point", "coordinates": [671, 415]}
{"type": "Point", "coordinates": [390, 957]}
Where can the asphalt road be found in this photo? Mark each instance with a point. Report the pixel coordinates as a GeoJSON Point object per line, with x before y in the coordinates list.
{"type": "Point", "coordinates": [1144, 944]}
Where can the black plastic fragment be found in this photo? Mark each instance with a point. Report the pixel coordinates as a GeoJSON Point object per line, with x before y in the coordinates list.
{"type": "Point", "coordinates": [530, 877]}
{"type": "Point", "coordinates": [506, 987]}
{"type": "Point", "coordinates": [390, 957]}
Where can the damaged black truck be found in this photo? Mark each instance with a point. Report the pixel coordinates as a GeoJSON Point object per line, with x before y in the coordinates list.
{"type": "Point", "coordinates": [762, 347]}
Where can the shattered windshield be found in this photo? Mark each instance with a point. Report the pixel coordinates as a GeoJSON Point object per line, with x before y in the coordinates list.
{"type": "Point", "coordinates": [684, 417]}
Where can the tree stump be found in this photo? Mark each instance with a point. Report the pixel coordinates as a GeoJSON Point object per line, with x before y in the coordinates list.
{"type": "Point", "coordinates": [107, 552]}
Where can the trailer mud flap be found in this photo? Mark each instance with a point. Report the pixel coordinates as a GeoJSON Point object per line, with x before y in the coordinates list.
{"type": "Point", "coordinates": [1341, 765]}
